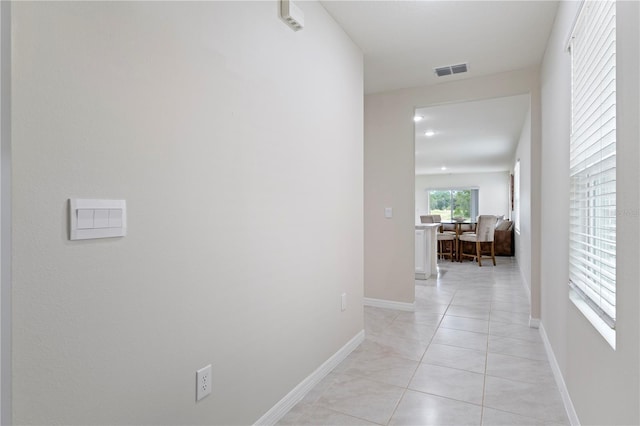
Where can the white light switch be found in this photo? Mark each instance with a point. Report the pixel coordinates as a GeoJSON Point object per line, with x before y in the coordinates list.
{"type": "Point", "coordinates": [115, 218]}
{"type": "Point", "coordinates": [85, 218]}
{"type": "Point", "coordinates": [101, 218]}
{"type": "Point", "coordinates": [388, 212]}
{"type": "Point", "coordinates": [91, 218]}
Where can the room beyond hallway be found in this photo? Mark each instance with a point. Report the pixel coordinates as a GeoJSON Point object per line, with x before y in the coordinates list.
{"type": "Point", "coordinates": [466, 356]}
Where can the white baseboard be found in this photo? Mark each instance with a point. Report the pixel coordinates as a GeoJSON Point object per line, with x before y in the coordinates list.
{"type": "Point", "coordinates": [534, 322]}
{"type": "Point", "coordinates": [283, 406]}
{"type": "Point", "coordinates": [557, 374]}
{"type": "Point", "coordinates": [389, 304]}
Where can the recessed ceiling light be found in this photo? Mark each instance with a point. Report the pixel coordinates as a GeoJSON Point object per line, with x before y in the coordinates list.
{"type": "Point", "coordinates": [443, 168]}
{"type": "Point", "coordinates": [429, 133]}
{"type": "Point", "coordinates": [417, 118]}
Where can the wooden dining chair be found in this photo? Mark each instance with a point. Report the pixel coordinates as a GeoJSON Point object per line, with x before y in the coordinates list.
{"type": "Point", "coordinates": [427, 218]}
{"type": "Point", "coordinates": [485, 230]}
{"type": "Point", "coordinates": [450, 238]}
{"type": "Point", "coordinates": [442, 237]}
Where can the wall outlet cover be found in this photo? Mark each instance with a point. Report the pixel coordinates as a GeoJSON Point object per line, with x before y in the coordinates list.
{"type": "Point", "coordinates": [203, 382]}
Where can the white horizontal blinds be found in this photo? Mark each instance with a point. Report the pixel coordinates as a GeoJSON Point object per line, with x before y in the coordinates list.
{"type": "Point", "coordinates": [592, 233]}
{"type": "Point", "coordinates": [516, 194]}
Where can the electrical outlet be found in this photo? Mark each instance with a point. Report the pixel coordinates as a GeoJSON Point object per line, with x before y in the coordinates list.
{"type": "Point", "coordinates": [203, 382]}
{"type": "Point", "coordinates": [344, 301]}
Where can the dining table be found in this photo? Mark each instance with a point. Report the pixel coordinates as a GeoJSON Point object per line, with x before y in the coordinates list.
{"type": "Point", "coordinates": [458, 225]}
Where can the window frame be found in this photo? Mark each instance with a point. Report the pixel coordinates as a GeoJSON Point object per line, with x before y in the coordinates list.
{"type": "Point", "coordinates": [473, 200]}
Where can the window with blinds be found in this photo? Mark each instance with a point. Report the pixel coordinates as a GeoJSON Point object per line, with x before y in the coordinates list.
{"type": "Point", "coordinates": [592, 220]}
{"type": "Point", "coordinates": [516, 195]}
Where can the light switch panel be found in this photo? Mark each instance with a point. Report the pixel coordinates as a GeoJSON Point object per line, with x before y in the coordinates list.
{"type": "Point", "coordinates": [388, 212]}
{"type": "Point", "coordinates": [92, 218]}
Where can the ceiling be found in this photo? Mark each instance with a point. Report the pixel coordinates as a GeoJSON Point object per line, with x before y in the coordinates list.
{"type": "Point", "coordinates": [470, 137]}
{"type": "Point", "coordinates": [404, 40]}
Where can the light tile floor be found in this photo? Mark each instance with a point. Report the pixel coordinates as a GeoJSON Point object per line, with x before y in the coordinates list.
{"type": "Point", "coordinates": [466, 356]}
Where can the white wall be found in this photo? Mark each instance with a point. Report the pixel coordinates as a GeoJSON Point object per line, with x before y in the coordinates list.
{"type": "Point", "coordinates": [217, 123]}
{"type": "Point", "coordinates": [390, 172]}
{"type": "Point", "coordinates": [523, 235]}
{"type": "Point", "coordinates": [493, 194]}
{"type": "Point", "coordinates": [603, 383]}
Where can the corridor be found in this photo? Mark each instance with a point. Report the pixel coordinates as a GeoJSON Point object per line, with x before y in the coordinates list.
{"type": "Point", "coordinates": [466, 356]}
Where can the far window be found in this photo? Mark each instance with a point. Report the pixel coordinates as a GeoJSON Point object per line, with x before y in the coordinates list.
{"type": "Point", "coordinates": [516, 195]}
{"type": "Point", "coordinates": [454, 203]}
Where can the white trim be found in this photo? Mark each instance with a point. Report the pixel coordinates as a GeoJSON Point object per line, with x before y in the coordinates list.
{"type": "Point", "coordinates": [567, 44]}
{"type": "Point", "coordinates": [389, 304]}
{"type": "Point", "coordinates": [5, 214]}
{"type": "Point", "coordinates": [596, 321]}
{"type": "Point", "coordinates": [283, 406]}
{"type": "Point", "coordinates": [557, 374]}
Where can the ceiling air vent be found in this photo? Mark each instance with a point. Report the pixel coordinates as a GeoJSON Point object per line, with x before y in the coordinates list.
{"type": "Point", "coordinates": [451, 69]}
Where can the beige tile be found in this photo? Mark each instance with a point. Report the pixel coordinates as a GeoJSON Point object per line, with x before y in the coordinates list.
{"type": "Point", "coordinates": [389, 345]}
{"type": "Point", "coordinates": [455, 357]}
{"type": "Point", "coordinates": [465, 324]}
{"type": "Point", "coordinates": [515, 331]}
{"type": "Point", "coordinates": [525, 399]}
{"type": "Point", "coordinates": [322, 416]}
{"type": "Point", "coordinates": [385, 369]}
{"type": "Point", "coordinates": [463, 339]}
{"type": "Point", "coordinates": [377, 320]}
{"type": "Point", "coordinates": [510, 317]}
{"type": "Point", "coordinates": [424, 305]}
{"type": "Point", "coordinates": [448, 382]}
{"type": "Point", "coordinates": [520, 369]}
{"type": "Point", "coordinates": [421, 332]}
{"type": "Point", "coordinates": [517, 347]}
{"type": "Point", "coordinates": [468, 312]}
{"type": "Point", "coordinates": [362, 398]}
{"type": "Point", "coordinates": [511, 307]}
{"type": "Point", "coordinates": [418, 408]}
{"type": "Point", "coordinates": [472, 304]}
{"type": "Point", "coordinates": [419, 317]}
{"type": "Point", "coordinates": [491, 417]}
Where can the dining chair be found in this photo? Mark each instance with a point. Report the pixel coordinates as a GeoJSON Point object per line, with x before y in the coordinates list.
{"type": "Point", "coordinates": [428, 218]}
{"type": "Point", "coordinates": [485, 230]}
{"type": "Point", "coordinates": [442, 237]}
{"type": "Point", "coordinates": [438, 219]}
{"type": "Point", "coordinates": [449, 237]}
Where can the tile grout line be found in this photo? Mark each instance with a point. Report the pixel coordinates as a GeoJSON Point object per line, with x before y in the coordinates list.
{"type": "Point", "coordinates": [406, 388]}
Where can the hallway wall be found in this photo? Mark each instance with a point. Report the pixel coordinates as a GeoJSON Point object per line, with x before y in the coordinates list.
{"type": "Point", "coordinates": [390, 173]}
{"type": "Point", "coordinates": [603, 383]}
{"type": "Point", "coordinates": [237, 144]}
